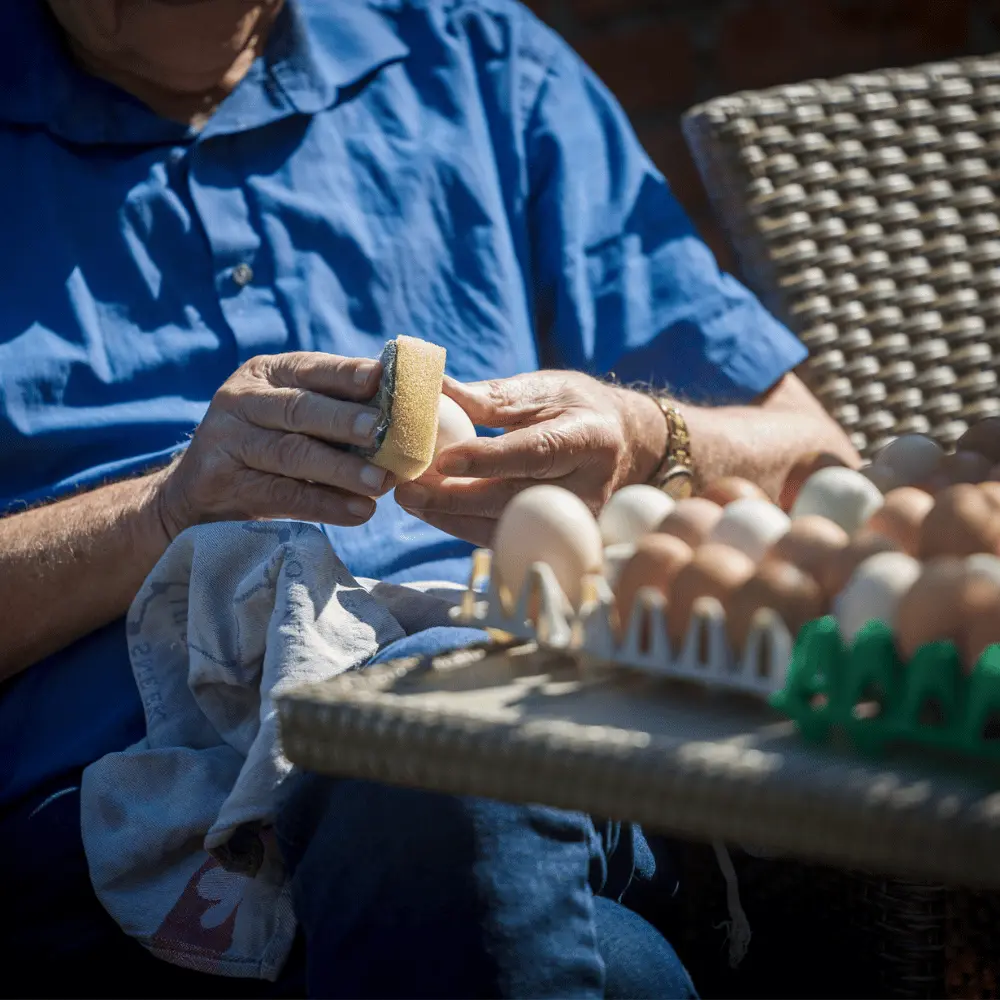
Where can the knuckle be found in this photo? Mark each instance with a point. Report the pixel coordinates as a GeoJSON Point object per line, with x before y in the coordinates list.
{"type": "Point", "coordinates": [294, 411]}
{"type": "Point", "coordinates": [280, 495]}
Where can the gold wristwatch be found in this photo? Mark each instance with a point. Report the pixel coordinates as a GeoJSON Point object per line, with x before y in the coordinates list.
{"type": "Point", "coordinates": [675, 473]}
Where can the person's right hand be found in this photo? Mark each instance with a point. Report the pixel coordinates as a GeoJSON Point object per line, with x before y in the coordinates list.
{"type": "Point", "coordinates": [272, 446]}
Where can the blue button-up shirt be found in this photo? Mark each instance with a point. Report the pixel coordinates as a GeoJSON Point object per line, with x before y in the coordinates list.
{"type": "Point", "coordinates": [448, 170]}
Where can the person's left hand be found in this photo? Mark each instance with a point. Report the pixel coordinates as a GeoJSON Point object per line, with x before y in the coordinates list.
{"type": "Point", "coordinates": [563, 428]}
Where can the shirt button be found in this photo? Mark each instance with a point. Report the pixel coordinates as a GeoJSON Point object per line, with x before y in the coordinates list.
{"type": "Point", "coordinates": [242, 275]}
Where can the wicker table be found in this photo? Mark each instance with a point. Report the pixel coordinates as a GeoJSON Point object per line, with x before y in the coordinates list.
{"type": "Point", "coordinates": [524, 724]}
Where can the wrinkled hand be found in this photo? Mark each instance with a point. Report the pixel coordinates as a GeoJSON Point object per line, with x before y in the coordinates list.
{"type": "Point", "coordinates": [563, 428]}
{"type": "Point", "coordinates": [271, 446]}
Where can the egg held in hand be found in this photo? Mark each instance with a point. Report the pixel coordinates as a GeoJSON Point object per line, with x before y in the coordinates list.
{"type": "Point", "coordinates": [454, 427]}
{"type": "Point", "coordinates": [551, 525]}
{"type": "Point", "coordinates": [633, 512]}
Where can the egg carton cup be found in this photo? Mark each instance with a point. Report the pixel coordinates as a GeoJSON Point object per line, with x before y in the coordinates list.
{"type": "Point", "coordinates": [542, 613]}
{"type": "Point", "coordinates": [866, 692]}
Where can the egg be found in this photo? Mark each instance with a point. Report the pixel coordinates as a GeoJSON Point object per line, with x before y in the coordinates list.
{"type": "Point", "coordinates": [633, 512]}
{"type": "Point", "coordinates": [881, 476]}
{"type": "Point", "coordinates": [984, 438]}
{"type": "Point", "coordinates": [750, 525]}
{"type": "Point", "coordinates": [901, 516]}
{"type": "Point", "coordinates": [843, 495]}
{"type": "Point", "coordinates": [965, 520]}
{"type": "Point", "coordinates": [913, 457]}
{"type": "Point", "coordinates": [966, 467]}
{"type": "Point", "coordinates": [835, 572]}
{"type": "Point", "coordinates": [615, 558]}
{"type": "Point", "coordinates": [454, 425]}
{"type": "Point", "coordinates": [801, 471]}
{"type": "Point", "coordinates": [714, 571]}
{"type": "Point", "coordinates": [729, 488]}
{"type": "Point", "coordinates": [792, 594]}
{"type": "Point", "coordinates": [691, 520]}
{"type": "Point", "coordinates": [809, 543]}
{"type": "Point", "coordinates": [656, 562]}
{"type": "Point", "coordinates": [546, 524]}
{"type": "Point", "coordinates": [874, 592]}
{"type": "Point", "coordinates": [930, 611]}
{"type": "Point", "coordinates": [979, 607]}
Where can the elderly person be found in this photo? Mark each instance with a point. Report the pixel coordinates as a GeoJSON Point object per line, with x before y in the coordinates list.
{"type": "Point", "coordinates": [213, 213]}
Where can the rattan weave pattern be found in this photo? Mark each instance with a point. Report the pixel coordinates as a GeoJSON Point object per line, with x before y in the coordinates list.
{"type": "Point", "coordinates": [864, 212]}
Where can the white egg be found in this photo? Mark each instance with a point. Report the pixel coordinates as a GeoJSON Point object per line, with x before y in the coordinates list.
{"type": "Point", "coordinates": [912, 457]}
{"type": "Point", "coordinates": [615, 558]}
{"type": "Point", "coordinates": [551, 525]}
{"type": "Point", "coordinates": [750, 525]}
{"type": "Point", "coordinates": [984, 565]}
{"type": "Point", "coordinates": [454, 425]}
{"type": "Point", "coordinates": [633, 512]}
{"type": "Point", "coordinates": [874, 591]}
{"type": "Point", "coordinates": [843, 496]}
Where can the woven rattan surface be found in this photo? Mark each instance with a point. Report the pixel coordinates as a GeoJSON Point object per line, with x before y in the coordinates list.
{"type": "Point", "coordinates": [864, 212]}
{"type": "Point", "coordinates": [529, 725]}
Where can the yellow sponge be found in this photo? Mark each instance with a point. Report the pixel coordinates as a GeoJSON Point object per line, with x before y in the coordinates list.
{"type": "Point", "coordinates": [407, 400]}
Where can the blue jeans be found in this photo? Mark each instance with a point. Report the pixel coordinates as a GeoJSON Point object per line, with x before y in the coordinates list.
{"type": "Point", "coordinates": [399, 893]}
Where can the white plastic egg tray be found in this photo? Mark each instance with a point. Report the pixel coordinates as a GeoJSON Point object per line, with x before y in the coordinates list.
{"type": "Point", "coordinates": [543, 613]}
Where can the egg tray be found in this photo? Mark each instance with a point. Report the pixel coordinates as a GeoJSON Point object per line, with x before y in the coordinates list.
{"type": "Point", "coordinates": [542, 613]}
{"type": "Point", "coordinates": [864, 691]}
{"type": "Point", "coordinates": [867, 692]}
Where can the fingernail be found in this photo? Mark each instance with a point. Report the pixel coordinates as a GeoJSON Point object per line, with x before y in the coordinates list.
{"type": "Point", "coordinates": [359, 507]}
{"type": "Point", "coordinates": [364, 423]}
{"type": "Point", "coordinates": [414, 496]}
{"type": "Point", "coordinates": [456, 466]}
{"type": "Point", "coordinates": [373, 477]}
{"type": "Point", "coordinates": [363, 372]}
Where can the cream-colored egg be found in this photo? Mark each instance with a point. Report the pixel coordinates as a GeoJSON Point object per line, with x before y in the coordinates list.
{"type": "Point", "coordinates": [913, 457]}
{"type": "Point", "coordinates": [750, 525]}
{"type": "Point", "coordinates": [874, 592]}
{"type": "Point", "coordinates": [843, 496]}
{"type": "Point", "coordinates": [615, 559]}
{"type": "Point", "coordinates": [551, 525]}
{"type": "Point", "coordinates": [454, 425]}
{"type": "Point", "coordinates": [633, 512]}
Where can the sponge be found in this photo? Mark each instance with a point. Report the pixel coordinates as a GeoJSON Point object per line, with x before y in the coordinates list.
{"type": "Point", "coordinates": [407, 401]}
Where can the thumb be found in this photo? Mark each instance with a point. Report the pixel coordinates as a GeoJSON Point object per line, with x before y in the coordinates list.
{"type": "Point", "coordinates": [502, 402]}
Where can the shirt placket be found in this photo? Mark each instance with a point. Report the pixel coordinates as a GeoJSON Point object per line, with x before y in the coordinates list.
{"type": "Point", "coordinates": [241, 261]}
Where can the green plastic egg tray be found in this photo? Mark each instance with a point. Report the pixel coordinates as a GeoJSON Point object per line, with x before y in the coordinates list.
{"type": "Point", "coordinates": [876, 699]}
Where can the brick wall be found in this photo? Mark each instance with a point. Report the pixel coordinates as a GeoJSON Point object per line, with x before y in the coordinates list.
{"type": "Point", "coordinates": [662, 56]}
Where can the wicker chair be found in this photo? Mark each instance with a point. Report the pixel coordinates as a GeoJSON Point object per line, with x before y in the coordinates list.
{"type": "Point", "coordinates": [864, 212]}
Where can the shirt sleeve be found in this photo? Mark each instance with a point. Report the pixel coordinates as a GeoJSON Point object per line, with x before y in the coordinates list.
{"type": "Point", "coordinates": [623, 283]}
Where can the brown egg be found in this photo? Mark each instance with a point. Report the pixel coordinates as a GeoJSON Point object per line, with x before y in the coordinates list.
{"type": "Point", "coordinates": [730, 488]}
{"type": "Point", "coordinates": [794, 595]}
{"type": "Point", "coordinates": [834, 574]}
{"type": "Point", "coordinates": [715, 571]}
{"type": "Point", "coordinates": [983, 438]}
{"type": "Point", "coordinates": [900, 518]}
{"type": "Point", "coordinates": [809, 543]}
{"type": "Point", "coordinates": [801, 471]}
{"type": "Point", "coordinates": [930, 609]}
{"type": "Point", "coordinates": [656, 562]}
{"type": "Point", "coordinates": [692, 520]}
{"type": "Point", "coordinates": [965, 519]}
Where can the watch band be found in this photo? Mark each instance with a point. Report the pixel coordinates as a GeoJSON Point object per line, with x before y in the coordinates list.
{"type": "Point", "coordinates": [675, 473]}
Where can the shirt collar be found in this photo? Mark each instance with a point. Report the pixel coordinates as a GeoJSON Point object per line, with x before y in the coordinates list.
{"type": "Point", "coordinates": [316, 50]}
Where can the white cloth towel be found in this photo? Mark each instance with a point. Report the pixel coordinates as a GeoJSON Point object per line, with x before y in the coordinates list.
{"type": "Point", "coordinates": [177, 827]}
